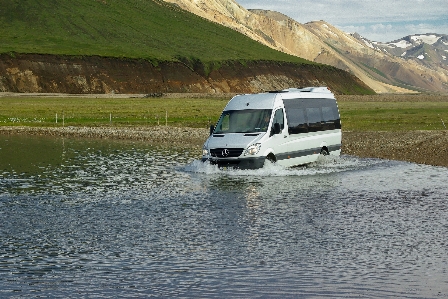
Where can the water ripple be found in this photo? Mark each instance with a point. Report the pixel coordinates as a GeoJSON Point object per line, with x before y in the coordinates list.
{"type": "Point", "coordinates": [127, 220]}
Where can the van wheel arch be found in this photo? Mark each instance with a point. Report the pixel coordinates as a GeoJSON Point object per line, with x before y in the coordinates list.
{"type": "Point", "coordinates": [271, 157]}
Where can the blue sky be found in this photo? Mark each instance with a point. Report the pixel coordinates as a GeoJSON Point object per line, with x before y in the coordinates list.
{"type": "Point", "coordinates": [377, 20]}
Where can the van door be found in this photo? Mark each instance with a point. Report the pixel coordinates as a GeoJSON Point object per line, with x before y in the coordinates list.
{"type": "Point", "coordinates": [304, 119]}
{"type": "Point", "coordinates": [278, 135]}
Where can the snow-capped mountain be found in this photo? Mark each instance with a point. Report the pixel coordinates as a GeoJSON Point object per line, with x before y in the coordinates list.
{"type": "Point", "coordinates": [430, 49]}
{"type": "Point", "coordinates": [422, 67]}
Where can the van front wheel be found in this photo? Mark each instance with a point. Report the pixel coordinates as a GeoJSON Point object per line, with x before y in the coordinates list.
{"type": "Point", "coordinates": [324, 151]}
{"type": "Point", "coordinates": [271, 158]}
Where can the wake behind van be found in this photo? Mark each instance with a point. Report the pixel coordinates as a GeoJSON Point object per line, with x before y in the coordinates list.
{"type": "Point", "coordinates": [289, 127]}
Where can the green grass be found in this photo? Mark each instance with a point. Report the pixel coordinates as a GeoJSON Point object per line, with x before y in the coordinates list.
{"type": "Point", "coordinates": [152, 30]}
{"type": "Point", "coordinates": [393, 116]}
{"type": "Point", "coordinates": [35, 111]}
{"type": "Point", "coordinates": [360, 113]}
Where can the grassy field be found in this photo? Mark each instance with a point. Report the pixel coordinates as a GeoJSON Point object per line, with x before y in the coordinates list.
{"type": "Point", "coordinates": [358, 113]}
{"type": "Point", "coordinates": [393, 112]}
{"type": "Point", "coordinates": [152, 30]}
{"type": "Point", "coordinates": [185, 112]}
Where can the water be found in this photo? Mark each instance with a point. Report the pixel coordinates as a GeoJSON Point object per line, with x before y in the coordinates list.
{"type": "Point", "coordinates": [84, 218]}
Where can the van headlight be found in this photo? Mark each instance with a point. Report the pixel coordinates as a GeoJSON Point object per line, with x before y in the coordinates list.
{"type": "Point", "coordinates": [205, 151]}
{"type": "Point", "coordinates": [253, 149]}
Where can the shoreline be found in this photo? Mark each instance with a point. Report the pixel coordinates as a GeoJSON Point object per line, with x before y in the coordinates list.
{"type": "Point", "coordinates": [422, 147]}
{"type": "Point", "coordinates": [116, 95]}
{"type": "Point", "coordinates": [159, 135]}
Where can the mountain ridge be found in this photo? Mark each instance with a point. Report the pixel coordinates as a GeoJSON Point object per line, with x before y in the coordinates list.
{"type": "Point", "coordinates": [430, 49]}
{"type": "Point", "coordinates": [323, 43]}
{"type": "Point", "coordinates": [381, 65]}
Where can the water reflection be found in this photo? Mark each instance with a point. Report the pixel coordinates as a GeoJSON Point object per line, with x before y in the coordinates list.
{"type": "Point", "coordinates": [28, 154]}
{"type": "Point", "coordinates": [90, 218]}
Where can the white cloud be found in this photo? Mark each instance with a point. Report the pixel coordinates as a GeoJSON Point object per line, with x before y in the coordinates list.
{"type": "Point", "coordinates": [378, 20]}
{"type": "Point", "coordinates": [381, 27]}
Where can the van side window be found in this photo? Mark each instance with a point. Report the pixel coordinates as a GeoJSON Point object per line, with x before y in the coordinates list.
{"type": "Point", "coordinates": [314, 119]}
{"type": "Point", "coordinates": [311, 115]}
{"type": "Point", "coordinates": [295, 114]}
{"type": "Point", "coordinates": [224, 125]}
{"type": "Point", "coordinates": [278, 118]}
{"type": "Point", "coordinates": [327, 113]}
{"type": "Point", "coordinates": [330, 115]}
{"type": "Point", "coordinates": [329, 118]}
{"type": "Point", "coordinates": [296, 121]}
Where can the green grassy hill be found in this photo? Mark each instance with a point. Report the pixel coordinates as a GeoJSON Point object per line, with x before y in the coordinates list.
{"type": "Point", "coordinates": [152, 30]}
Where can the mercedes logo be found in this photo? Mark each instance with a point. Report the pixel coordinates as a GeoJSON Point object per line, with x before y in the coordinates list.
{"type": "Point", "coordinates": [225, 152]}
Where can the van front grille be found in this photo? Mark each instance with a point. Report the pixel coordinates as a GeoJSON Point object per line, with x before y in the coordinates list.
{"type": "Point", "coordinates": [226, 152]}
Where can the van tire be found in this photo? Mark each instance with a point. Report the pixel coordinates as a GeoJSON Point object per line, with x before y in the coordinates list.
{"type": "Point", "coordinates": [324, 151]}
{"type": "Point", "coordinates": [271, 158]}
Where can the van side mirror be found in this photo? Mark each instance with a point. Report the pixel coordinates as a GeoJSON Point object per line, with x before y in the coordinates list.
{"type": "Point", "coordinates": [277, 128]}
{"type": "Point", "coordinates": [212, 128]}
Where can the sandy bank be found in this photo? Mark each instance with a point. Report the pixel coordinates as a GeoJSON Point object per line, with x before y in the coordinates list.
{"type": "Point", "coordinates": [424, 147]}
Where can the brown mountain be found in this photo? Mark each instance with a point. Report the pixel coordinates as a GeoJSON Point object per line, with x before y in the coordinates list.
{"type": "Point", "coordinates": [382, 65]}
{"type": "Point", "coordinates": [322, 42]}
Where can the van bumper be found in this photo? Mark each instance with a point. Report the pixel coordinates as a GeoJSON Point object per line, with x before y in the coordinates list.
{"type": "Point", "coordinates": [244, 163]}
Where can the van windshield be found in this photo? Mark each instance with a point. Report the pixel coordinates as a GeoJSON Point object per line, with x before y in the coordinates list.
{"type": "Point", "coordinates": [243, 121]}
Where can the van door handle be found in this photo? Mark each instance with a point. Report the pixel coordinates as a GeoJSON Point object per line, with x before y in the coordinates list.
{"type": "Point", "coordinates": [284, 136]}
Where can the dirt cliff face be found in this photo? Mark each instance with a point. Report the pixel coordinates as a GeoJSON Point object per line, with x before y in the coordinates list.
{"type": "Point", "coordinates": [49, 73]}
{"type": "Point", "coordinates": [82, 75]}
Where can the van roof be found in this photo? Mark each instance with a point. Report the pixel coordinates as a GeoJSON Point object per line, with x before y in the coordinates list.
{"type": "Point", "coordinates": [266, 100]}
{"type": "Point", "coordinates": [320, 89]}
{"type": "Point", "coordinates": [252, 101]}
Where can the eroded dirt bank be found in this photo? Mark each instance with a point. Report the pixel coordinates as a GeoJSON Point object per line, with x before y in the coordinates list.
{"type": "Point", "coordinates": [423, 147]}
{"type": "Point", "coordinates": [102, 75]}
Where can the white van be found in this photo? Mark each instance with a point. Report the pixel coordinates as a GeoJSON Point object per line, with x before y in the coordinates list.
{"type": "Point", "coordinates": [289, 127]}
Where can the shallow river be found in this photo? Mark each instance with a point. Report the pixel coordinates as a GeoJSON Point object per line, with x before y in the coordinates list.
{"type": "Point", "coordinates": [84, 218]}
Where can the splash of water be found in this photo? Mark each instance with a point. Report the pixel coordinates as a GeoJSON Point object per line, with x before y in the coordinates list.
{"type": "Point", "coordinates": [324, 165]}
